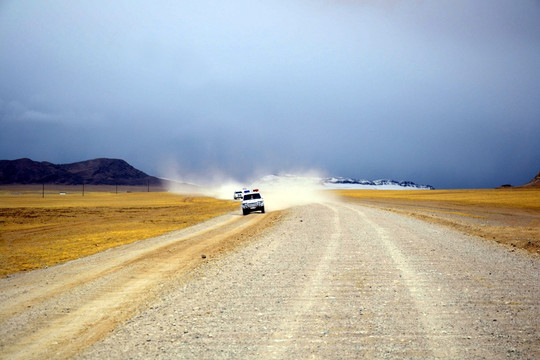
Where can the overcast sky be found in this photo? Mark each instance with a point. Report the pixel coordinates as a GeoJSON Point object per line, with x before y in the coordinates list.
{"type": "Point", "coordinates": [443, 92]}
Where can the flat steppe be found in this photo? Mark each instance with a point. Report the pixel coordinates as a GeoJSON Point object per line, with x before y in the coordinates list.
{"type": "Point", "coordinates": [354, 277]}
{"type": "Point", "coordinates": [507, 216]}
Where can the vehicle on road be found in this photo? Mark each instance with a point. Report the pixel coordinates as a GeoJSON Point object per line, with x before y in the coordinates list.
{"type": "Point", "coordinates": [252, 201]}
{"type": "Point", "coordinates": [238, 195]}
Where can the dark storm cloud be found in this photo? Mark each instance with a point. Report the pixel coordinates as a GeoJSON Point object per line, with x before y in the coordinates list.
{"type": "Point", "coordinates": [445, 93]}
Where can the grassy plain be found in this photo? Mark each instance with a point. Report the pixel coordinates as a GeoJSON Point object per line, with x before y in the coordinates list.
{"type": "Point", "coordinates": [37, 232]}
{"type": "Point", "coordinates": [39, 229]}
{"type": "Point", "coordinates": [522, 198]}
{"type": "Point", "coordinates": [508, 216]}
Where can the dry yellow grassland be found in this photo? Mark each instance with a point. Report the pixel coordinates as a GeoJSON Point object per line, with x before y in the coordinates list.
{"type": "Point", "coordinates": [511, 198]}
{"type": "Point", "coordinates": [36, 232]}
{"type": "Point", "coordinates": [508, 216]}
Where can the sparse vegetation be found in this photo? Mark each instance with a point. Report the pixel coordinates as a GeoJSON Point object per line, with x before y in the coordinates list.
{"type": "Point", "coordinates": [512, 198]}
{"type": "Point", "coordinates": [37, 232]}
{"type": "Point", "coordinates": [507, 216]}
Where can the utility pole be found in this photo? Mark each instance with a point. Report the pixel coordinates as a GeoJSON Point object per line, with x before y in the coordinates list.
{"type": "Point", "coordinates": [42, 190]}
{"type": "Point", "coordinates": [82, 189]}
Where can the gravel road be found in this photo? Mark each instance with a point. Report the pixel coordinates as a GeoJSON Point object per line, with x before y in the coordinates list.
{"type": "Point", "coordinates": [343, 281]}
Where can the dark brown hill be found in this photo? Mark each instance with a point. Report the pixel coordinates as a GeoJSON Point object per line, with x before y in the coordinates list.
{"type": "Point", "coordinates": [95, 172]}
{"type": "Point", "coordinates": [535, 182]}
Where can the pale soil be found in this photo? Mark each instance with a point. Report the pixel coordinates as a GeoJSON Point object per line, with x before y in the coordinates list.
{"type": "Point", "coordinates": [332, 280]}
{"type": "Point", "coordinates": [517, 228]}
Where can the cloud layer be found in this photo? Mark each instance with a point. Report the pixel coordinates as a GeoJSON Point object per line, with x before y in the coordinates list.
{"type": "Point", "coordinates": [445, 93]}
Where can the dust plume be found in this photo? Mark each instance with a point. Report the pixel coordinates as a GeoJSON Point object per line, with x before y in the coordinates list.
{"type": "Point", "coordinates": [285, 191]}
{"type": "Point", "coordinates": [279, 191]}
{"type": "Point", "coordinates": [212, 183]}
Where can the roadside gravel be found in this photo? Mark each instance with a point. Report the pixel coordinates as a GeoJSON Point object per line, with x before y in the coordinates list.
{"type": "Point", "coordinates": [343, 281]}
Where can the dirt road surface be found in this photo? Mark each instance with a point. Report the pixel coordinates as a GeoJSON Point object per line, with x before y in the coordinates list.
{"type": "Point", "coordinates": [333, 280]}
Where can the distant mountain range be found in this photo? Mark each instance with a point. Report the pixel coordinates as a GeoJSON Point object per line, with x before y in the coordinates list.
{"type": "Point", "coordinates": [104, 171]}
{"type": "Point", "coordinates": [338, 183]}
{"type": "Point", "coordinates": [92, 172]}
{"type": "Point", "coordinates": [383, 184]}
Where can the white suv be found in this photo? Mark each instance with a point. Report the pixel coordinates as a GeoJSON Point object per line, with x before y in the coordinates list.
{"type": "Point", "coordinates": [252, 201]}
{"type": "Point", "coordinates": [238, 195]}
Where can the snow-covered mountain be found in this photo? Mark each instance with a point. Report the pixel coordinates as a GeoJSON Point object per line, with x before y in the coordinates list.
{"type": "Point", "coordinates": [338, 183]}
{"type": "Point", "coordinates": [382, 184]}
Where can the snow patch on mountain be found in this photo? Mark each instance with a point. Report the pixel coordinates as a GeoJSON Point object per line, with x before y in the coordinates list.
{"type": "Point", "coordinates": [322, 183]}
{"type": "Point", "coordinates": [382, 184]}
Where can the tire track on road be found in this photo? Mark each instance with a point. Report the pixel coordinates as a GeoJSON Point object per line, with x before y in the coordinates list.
{"type": "Point", "coordinates": [472, 298]}
{"type": "Point", "coordinates": [58, 322]}
{"type": "Point", "coordinates": [345, 282]}
{"type": "Point", "coordinates": [24, 297]}
{"type": "Point", "coordinates": [295, 321]}
{"type": "Point", "coordinates": [439, 343]}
